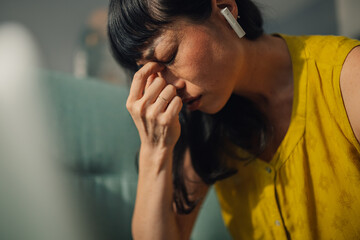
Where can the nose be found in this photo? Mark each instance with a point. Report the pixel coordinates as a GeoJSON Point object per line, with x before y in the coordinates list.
{"type": "Point", "coordinates": [172, 79]}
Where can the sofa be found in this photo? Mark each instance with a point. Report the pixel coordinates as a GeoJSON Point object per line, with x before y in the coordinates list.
{"type": "Point", "coordinates": [100, 142]}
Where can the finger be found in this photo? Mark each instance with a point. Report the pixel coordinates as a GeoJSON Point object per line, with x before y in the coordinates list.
{"type": "Point", "coordinates": [140, 78]}
{"type": "Point", "coordinates": [153, 91]}
{"type": "Point", "coordinates": [150, 80]}
{"type": "Point", "coordinates": [174, 106]}
{"type": "Point", "coordinates": [164, 98]}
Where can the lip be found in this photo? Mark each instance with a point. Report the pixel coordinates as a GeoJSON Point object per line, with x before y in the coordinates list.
{"type": "Point", "coordinates": [192, 103]}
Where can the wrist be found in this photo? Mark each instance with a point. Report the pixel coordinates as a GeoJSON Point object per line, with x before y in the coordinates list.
{"type": "Point", "coordinates": [149, 150]}
{"type": "Point", "coordinates": [155, 158]}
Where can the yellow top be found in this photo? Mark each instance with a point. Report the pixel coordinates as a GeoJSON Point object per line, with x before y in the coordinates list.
{"type": "Point", "coordinates": [311, 187]}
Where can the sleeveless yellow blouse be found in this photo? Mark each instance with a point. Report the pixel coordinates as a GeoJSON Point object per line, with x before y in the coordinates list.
{"type": "Point", "coordinates": [311, 187]}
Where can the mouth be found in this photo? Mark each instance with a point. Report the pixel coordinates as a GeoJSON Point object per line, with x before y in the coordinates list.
{"type": "Point", "coordinates": [192, 103]}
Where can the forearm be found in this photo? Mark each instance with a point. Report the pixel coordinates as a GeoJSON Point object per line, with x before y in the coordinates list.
{"type": "Point", "coordinates": [154, 107]}
{"type": "Point", "coordinates": [154, 217]}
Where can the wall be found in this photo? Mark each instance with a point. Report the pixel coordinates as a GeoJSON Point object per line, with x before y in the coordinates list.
{"type": "Point", "coordinates": [349, 17]}
{"type": "Point", "coordinates": [300, 16]}
{"type": "Point", "coordinates": [57, 24]}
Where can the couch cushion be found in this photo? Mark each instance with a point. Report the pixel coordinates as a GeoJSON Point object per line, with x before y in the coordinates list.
{"type": "Point", "coordinates": [99, 142]}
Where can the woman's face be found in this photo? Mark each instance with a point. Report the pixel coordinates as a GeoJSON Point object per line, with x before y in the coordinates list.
{"type": "Point", "coordinates": [201, 62]}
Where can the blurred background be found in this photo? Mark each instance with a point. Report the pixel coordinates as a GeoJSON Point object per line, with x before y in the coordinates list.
{"type": "Point", "coordinates": [71, 34]}
{"type": "Point", "coordinates": [67, 143]}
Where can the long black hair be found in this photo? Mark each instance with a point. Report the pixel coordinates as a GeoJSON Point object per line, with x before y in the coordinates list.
{"type": "Point", "coordinates": [132, 26]}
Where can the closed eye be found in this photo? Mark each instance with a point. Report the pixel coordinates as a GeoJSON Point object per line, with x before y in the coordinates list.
{"type": "Point", "coordinates": [171, 60]}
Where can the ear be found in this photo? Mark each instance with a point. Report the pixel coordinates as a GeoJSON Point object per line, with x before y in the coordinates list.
{"type": "Point", "coordinates": [218, 5]}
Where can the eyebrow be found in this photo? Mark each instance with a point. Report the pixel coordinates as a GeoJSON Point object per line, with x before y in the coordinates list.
{"type": "Point", "coordinates": [150, 53]}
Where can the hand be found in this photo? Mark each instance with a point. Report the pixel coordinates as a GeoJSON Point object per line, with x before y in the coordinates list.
{"type": "Point", "coordinates": [154, 107]}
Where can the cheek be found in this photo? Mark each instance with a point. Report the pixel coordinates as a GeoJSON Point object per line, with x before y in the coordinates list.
{"type": "Point", "coordinates": [198, 65]}
{"type": "Point", "coordinates": [199, 54]}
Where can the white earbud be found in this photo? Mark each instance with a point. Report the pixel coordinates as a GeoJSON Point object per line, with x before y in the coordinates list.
{"type": "Point", "coordinates": [233, 23]}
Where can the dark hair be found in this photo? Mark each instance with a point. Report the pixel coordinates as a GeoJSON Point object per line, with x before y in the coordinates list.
{"type": "Point", "coordinates": [132, 25]}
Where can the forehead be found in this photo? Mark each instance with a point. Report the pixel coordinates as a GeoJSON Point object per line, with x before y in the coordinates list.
{"type": "Point", "coordinates": [170, 35]}
{"type": "Point", "coordinates": [166, 37]}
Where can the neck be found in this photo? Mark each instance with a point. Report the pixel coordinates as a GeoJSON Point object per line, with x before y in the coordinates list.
{"type": "Point", "coordinates": [269, 84]}
{"type": "Point", "coordinates": [268, 78]}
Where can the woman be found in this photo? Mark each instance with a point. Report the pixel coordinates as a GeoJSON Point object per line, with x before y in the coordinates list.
{"type": "Point", "coordinates": [264, 118]}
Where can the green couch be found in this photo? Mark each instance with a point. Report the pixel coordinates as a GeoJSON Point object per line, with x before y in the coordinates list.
{"type": "Point", "coordinates": [100, 142]}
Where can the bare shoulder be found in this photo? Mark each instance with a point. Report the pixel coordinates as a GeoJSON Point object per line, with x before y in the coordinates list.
{"type": "Point", "coordinates": [350, 89]}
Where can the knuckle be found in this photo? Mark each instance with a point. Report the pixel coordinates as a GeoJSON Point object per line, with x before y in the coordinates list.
{"type": "Point", "coordinates": [150, 115]}
{"type": "Point", "coordinates": [165, 120]}
{"type": "Point", "coordinates": [129, 106]}
{"type": "Point", "coordinates": [139, 75]}
{"type": "Point", "coordinates": [138, 109]}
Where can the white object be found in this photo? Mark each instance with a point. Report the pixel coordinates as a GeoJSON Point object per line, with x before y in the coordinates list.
{"type": "Point", "coordinates": [35, 201]}
{"type": "Point", "coordinates": [233, 23]}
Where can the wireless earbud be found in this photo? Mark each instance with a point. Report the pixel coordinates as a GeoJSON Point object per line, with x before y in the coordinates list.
{"type": "Point", "coordinates": [233, 23]}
